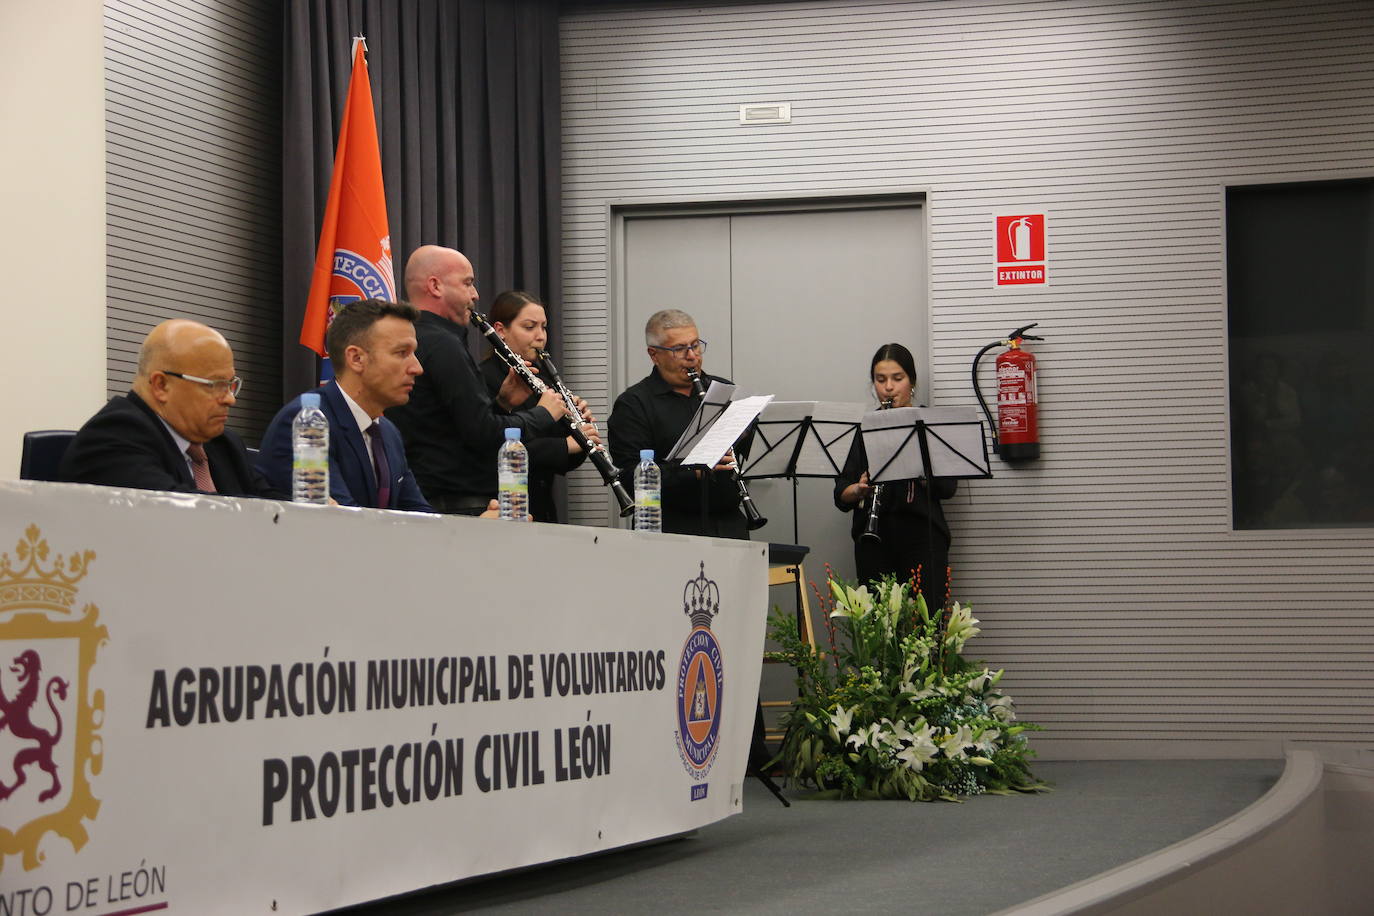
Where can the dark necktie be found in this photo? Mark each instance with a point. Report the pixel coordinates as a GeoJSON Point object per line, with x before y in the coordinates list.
{"type": "Point", "coordinates": [200, 468]}
{"type": "Point", "coordinates": [380, 465]}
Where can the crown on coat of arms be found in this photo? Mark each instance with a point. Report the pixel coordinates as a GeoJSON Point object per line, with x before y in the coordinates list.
{"type": "Point", "coordinates": [28, 581]}
{"type": "Point", "coordinates": [701, 599]}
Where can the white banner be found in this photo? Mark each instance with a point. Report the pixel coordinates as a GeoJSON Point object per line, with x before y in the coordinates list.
{"type": "Point", "coordinates": [217, 705]}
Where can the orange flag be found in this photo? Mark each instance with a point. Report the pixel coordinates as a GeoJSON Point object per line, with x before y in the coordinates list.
{"type": "Point", "coordinates": [354, 258]}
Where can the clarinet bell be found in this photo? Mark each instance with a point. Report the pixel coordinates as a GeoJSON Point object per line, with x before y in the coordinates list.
{"type": "Point", "coordinates": [753, 519]}
{"type": "Point", "coordinates": [623, 498]}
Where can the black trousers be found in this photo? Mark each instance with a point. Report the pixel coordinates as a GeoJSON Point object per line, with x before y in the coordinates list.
{"type": "Point", "coordinates": [907, 545]}
{"type": "Point", "coordinates": [459, 505]}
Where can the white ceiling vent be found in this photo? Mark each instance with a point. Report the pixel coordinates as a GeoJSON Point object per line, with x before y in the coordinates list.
{"type": "Point", "coordinates": [774, 113]}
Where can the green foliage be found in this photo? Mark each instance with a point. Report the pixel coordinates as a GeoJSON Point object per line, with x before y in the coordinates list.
{"type": "Point", "coordinates": [893, 709]}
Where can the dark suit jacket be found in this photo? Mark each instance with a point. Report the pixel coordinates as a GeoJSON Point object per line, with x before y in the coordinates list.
{"type": "Point", "coordinates": [126, 445]}
{"type": "Point", "coordinates": [352, 480]}
{"type": "Point", "coordinates": [450, 428]}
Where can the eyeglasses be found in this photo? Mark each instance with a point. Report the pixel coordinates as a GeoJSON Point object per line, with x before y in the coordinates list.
{"type": "Point", "coordinates": [697, 346]}
{"type": "Point", "coordinates": [218, 387]}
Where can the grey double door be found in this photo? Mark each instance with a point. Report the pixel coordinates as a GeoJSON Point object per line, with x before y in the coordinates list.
{"type": "Point", "coordinates": [793, 302]}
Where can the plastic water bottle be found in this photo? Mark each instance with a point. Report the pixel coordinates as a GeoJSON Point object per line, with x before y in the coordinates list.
{"type": "Point", "coordinates": [648, 493]}
{"type": "Point", "coordinates": [513, 478]}
{"type": "Point", "coordinates": [310, 453]}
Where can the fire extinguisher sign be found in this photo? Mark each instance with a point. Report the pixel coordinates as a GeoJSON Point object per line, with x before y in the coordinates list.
{"type": "Point", "coordinates": [1020, 246]}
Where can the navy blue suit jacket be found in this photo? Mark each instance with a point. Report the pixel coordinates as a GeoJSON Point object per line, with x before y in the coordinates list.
{"type": "Point", "coordinates": [352, 481]}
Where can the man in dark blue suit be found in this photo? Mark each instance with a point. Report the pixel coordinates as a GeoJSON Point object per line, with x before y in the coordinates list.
{"type": "Point", "coordinates": [371, 345]}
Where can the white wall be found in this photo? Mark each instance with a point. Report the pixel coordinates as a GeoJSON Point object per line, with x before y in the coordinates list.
{"type": "Point", "coordinates": [52, 234]}
{"type": "Point", "coordinates": [1132, 619]}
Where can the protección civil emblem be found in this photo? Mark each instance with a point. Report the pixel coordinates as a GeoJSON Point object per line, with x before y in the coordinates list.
{"type": "Point", "coordinates": [700, 679]}
{"type": "Point", "coordinates": [370, 279]}
{"type": "Point", "coordinates": [49, 716]}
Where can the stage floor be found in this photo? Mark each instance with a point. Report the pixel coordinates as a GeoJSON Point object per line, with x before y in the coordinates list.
{"type": "Point", "coordinates": [975, 858]}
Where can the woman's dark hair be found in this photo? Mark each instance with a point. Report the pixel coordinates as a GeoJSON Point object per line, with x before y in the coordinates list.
{"type": "Point", "coordinates": [509, 304]}
{"type": "Point", "coordinates": [899, 355]}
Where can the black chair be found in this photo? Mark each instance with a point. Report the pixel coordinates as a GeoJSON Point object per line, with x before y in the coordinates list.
{"type": "Point", "coordinates": [43, 451]}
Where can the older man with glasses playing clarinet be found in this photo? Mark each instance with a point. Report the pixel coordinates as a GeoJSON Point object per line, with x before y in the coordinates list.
{"type": "Point", "coordinates": [653, 413]}
{"type": "Point", "coordinates": [168, 432]}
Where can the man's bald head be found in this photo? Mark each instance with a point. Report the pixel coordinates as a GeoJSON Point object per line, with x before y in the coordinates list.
{"type": "Point", "coordinates": [424, 263]}
{"type": "Point", "coordinates": [441, 280]}
{"type": "Point", "coordinates": [174, 339]}
{"type": "Point", "coordinates": [174, 350]}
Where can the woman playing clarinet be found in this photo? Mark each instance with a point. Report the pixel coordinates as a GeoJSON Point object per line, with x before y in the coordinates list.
{"type": "Point", "coordinates": [907, 530]}
{"type": "Point", "coordinates": [523, 324]}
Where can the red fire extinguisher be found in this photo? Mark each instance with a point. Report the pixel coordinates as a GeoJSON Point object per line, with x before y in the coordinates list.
{"type": "Point", "coordinates": [1016, 432]}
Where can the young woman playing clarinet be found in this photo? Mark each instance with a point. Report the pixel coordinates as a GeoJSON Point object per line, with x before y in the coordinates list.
{"type": "Point", "coordinates": [523, 324]}
{"type": "Point", "coordinates": [907, 531]}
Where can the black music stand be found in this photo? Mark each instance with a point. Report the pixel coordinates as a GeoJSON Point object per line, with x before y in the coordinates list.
{"type": "Point", "coordinates": [802, 439]}
{"type": "Point", "coordinates": [909, 443]}
{"type": "Point", "coordinates": [709, 411]}
{"type": "Point", "coordinates": [779, 555]}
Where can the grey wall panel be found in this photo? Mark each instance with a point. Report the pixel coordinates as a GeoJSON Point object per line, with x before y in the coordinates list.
{"type": "Point", "coordinates": [1132, 619]}
{"type": "Point", "coordinates": [192, 127]}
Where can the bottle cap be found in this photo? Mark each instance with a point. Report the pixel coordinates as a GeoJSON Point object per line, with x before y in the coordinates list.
{"type": "Point", "coordinates": [646, 454]}
{"type": "Point", "coordinates": [310, 400]}
{"type": "Point", "coordinates": [513, 434]}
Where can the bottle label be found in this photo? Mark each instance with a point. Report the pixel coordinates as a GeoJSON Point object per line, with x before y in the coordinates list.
{"type": "Point", "coordinates": [648, 500]}
{"type": "Point", "coordinates": [512, 481]}
{"type": "Point", "coordinates": [311, 459]}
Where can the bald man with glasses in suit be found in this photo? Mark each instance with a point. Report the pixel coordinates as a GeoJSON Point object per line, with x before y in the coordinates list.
{"type": "Point", "coordinates": [168, 432]}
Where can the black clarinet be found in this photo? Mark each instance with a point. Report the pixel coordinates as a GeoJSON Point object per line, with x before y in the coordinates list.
{"type": "Point", "coordinates": [753, 518]}
{"type": "Point", "coordinates": [875, 500]}
{"type": "Point", "coordinates": [593, 451]}
{"type": "Point", "coordinates": [573, 419]}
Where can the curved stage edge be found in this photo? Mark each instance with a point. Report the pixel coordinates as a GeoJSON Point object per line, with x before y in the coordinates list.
{"type": "Point", "coordinates": [1304, 847]}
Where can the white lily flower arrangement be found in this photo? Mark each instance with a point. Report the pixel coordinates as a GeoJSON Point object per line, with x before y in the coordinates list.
{"type": "Point", "coordinates": [893, 709]}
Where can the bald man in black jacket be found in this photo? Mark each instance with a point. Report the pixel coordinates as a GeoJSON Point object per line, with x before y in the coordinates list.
{"type": "Point", "coordinates": [154, 437]}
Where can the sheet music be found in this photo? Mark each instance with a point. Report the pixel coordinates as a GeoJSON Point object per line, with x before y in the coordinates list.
{"type": "Point", "coordinates": [787, 411]}
{"type": "Point", "coordinates": [720, 393]}
{"type": "Point", "coordinates": [717, 398]}
{"type": "Point", "coordinates": [727, 429]}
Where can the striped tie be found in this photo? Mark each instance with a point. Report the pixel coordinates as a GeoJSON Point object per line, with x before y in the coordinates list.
{"type": "Point", "coordinates": [200, 468]}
